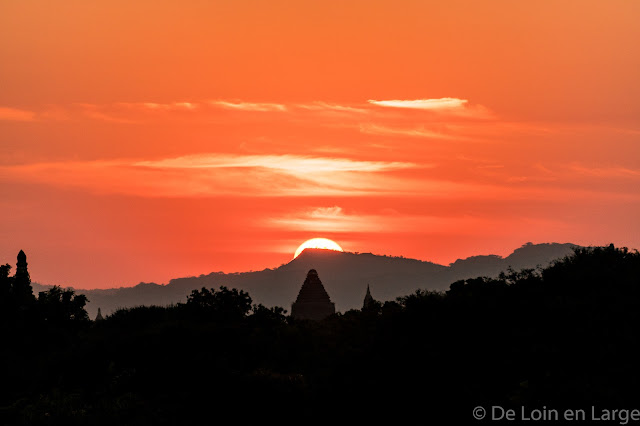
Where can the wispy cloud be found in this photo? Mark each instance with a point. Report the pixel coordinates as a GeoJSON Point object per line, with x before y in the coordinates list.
{"type": "Point", "coordinates": [214, 175]}
{"type": "Point", "coordinates": [606, 172]}
{"type": "Point", "coordinates": [323, 219]}
{"type": "Point", "coordinates": [294, 164]}
{"type": "Point", "coordinates": [248, 106]}
{"type": "Point", "coordinates": [155, 106]}
{"type": "Point", "coordinates": [326, 106]}
{"type": "Point", "coordinates": [15, 114]}
{"type": "Point", "coordinates": [449, 106]}
{"type": "Point", "coordinates": [386, 115]}
{"type": "Point", "coordinates": [335, 220]}
{"type": "Point", "coordinates": [100, 113]}
{"type": "Point", "coordinates": [430, 104]}
{"type": "Point", "coordinates": [129, 112]}
{"type": "Point", "coordinates": [421, 132]}
{"type": "Point", "coordinates": [224, 174]}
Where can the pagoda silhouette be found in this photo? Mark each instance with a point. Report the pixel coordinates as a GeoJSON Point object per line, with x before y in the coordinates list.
{"type": "Point", "coordinates": [313, 302]}
{"type": "Point", "coordinates": [369, 301]}
{"type": "Point", "coordinates": [21, 289]}
{"type": "Point", "coordinates": [99, 317]}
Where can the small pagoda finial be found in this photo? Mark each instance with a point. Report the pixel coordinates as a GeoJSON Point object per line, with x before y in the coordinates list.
{"type": "Point", "coordinates": [99, 316]}
{"type": "Point", "coordinates": [368, 299]}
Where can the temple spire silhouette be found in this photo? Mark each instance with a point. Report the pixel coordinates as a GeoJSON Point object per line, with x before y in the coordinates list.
{"type": "Point", "coordinates": [22, 291]}
{"type": "Point", "coordinates": [313, 301]}
{"type": "Point", "coordinates": [368, 299]}
{"type": "Point", "coordinates": [21, 266]}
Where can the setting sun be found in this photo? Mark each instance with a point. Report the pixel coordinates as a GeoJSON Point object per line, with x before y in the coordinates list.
{"type": "Point", "coordinates": [318, 243]}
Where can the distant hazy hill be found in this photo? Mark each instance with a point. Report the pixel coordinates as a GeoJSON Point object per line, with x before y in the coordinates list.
{"type": "Point", "coordinates": [344, 275]}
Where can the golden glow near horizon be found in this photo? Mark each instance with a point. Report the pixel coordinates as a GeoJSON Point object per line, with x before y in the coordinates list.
{"type": "Point", "coordinates": [318, 243]}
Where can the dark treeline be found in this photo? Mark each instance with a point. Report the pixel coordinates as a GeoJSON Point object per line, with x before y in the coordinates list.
{"type": "Point", "coordinates": [567, 336]}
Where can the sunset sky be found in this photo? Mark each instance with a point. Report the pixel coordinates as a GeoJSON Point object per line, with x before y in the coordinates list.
{"type": "Point", "coordinates": [155, 139]}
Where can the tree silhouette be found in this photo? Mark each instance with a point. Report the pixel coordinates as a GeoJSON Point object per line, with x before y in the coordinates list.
{"type": "Point", "coordinates": [224, 304]}
{"type": "Point", "coordinates": [5, 282]}
{"type": "Point", "coordinates": [5, 291]}
{"type": "Point", "coordinates": [260, 314]}
{"type": "Point", "coordinates": [60, 306]}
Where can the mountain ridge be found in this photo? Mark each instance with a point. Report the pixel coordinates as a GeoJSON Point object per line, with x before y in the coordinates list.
{"type": "Point", "coordinates": [345, 276]}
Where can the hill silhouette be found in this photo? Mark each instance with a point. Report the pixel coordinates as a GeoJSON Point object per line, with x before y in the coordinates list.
{"type": "Point", "coordinates": [345, 276]}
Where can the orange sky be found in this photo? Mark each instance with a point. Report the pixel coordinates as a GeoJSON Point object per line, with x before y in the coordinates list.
{"type": "Point", "coordinates": [147, 140]}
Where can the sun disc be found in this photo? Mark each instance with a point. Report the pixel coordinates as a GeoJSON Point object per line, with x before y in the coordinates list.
{"type": "Point", "coordinates": [319, 243]}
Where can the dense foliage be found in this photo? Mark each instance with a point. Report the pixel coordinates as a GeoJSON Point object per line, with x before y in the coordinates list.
{"type": "Point", "coordinates": [566, 336]}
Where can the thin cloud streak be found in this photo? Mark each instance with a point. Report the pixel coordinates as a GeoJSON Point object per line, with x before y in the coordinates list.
{"type": "Point", "coordinates": [606, 172]}
{"type": "Point", "coordinates": [428, 104]}
{"type": "Point", "coordinates": [248, 106]}
{"type": "Point", "coordinates": [211, 175]}
{"type": "Point", "coordinates": [374, 129]}
{"type": "Point", "coordinates": [335, 220]}
{"type": "Point", "coordinates": [443, 106]}
{"type": "Point", "coordinates": [325, 106]}
{"type": "Point", "coordinates": [100, 113]}
{"type": "Point", "coordinates": [288, 163]}
{"type": "Point", "coordinates": [320, 113]}
{"type": "Point", "coordinates": [165, 106]}
{"type": "Point", "coordinates": [15, 114]}
{"type": "Point", "coordinates": [220, 175]}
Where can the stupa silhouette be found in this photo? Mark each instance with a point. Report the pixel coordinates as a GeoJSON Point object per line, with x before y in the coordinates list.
{"type": "Point", "coordinates": [313, 301]}
{"type": "Point", "coordinates": [99, 317]}
{"type": "Point", "coordinates": [369, 301]}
